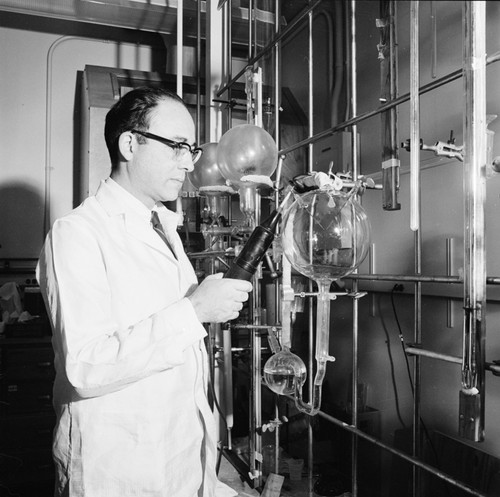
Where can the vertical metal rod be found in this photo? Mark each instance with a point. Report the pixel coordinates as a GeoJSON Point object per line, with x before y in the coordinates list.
{"type": "Point", "coordinates": [417, 337]}
{"type": "Point", "coordinates": [251, 50]}
{"type": "Point", "coordinates": [198, 74]}
{"type": "Point", "coordinates": [434, 39]}
{"type": "Point", "coordinates": [256, 376]}
{"type": "Point", "coordinates": [277, 76]}
{"type": "Point", "coordinates": [214, 71]}
{"type": "Point", "coordinates": [228, 382]}
{"type": "Point", "coordinates": [310, 151]}
{"type": "Point", "coordinates": [277, 104]}
{"type": "Point", "coordinates": [471, 417]}
{"type": "Point", "coordinates": [355, 307]}
{"type": "Point", "coordinates": [372, 257]}
{"type": "Point", "coordinates": [229, 51]}
{"type": "Point", "coordinates": [415, 225]}
{"type": "Point", "coordinates": [450, 253]}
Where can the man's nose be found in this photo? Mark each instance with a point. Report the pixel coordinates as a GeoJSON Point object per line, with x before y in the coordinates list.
{"type": "Point", "coordinates": [187, 163]}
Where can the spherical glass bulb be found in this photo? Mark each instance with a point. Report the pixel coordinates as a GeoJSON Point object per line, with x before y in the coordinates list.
{"type": "Point", "coordinates": [246, 150]}
{"type": "Point", "coordinates": [282, 370]}
{"type": "Point", "coordinates": [206, 172]}
{"type": "Point", "coordinates": [325, 234]}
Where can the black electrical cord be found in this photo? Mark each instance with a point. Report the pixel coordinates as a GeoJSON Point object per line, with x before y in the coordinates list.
{"type": "Point", "coordinates": [393, 376]}
{"type": "Point", "coordinates": [223, 417]}
{"type": "Point", "coordinates": [223, 443]}
{"type": "Point", "coordinates": [402, 341]}
{"type": "Point", "coordinates": [410, 378]}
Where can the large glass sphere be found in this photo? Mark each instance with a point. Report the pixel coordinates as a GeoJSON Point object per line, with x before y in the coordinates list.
{"type": "Point", "coordinates": [246, 150]}
{"type": "Point", "coordinates": [282, 370]}
{"type": "Point", "coordinates": [206, 172]}
{"type": "Point", "coordinates": [325, 234]}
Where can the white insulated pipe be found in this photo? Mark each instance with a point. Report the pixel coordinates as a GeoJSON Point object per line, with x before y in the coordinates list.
{"type": "Point", "coordinates": [414, 118]}
{"type": "Point", "coordinates": [180, 51]}
{"type": "Point", "coordinates": [471, 415]}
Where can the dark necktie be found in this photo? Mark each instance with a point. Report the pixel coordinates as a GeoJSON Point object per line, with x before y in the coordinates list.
{"type": "Point", "coordinates": [155, 222]}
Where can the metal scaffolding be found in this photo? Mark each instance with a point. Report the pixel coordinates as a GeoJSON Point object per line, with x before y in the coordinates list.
{"type": "Point", "coordinates": [474, 282]}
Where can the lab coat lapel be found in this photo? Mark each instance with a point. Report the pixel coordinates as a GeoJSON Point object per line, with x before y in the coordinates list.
{"type": "Point", "coordinates": [131, 217]}
{"type": "Point", "coordinates": [145, 232]}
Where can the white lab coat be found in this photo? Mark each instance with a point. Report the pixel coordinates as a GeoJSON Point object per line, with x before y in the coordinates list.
{"type": "Point", "coordinates": [131, 367]}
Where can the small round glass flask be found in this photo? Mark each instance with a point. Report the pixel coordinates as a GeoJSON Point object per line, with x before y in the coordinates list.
{"type": "Point", "coordinates": [247, 156]}
{"type": "Point", "coordinates": [282, 370]}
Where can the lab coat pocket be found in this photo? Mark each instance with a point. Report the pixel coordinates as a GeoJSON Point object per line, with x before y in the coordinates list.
{"type": "Point", "coordinates": [118, 449]}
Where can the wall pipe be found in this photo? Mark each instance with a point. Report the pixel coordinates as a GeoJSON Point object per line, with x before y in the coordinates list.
{"type": "Point", "coordinates": [471, 415]}
{"type": "Point", "coordinates": [389, 105]}
{"type": "Point", "coordinates": [47, 222]}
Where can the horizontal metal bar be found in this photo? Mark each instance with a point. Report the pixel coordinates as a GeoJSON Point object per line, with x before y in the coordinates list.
{"type": "Point", "coordinates": [270, 46]}
{"type": "Point", "coordinates": [490, 280]}
{"type": "Point", "coordinates": [256, 327]}
{"type": "Point", "coordinates": [210, 253]}
{"type": "Point", "coordinates": [402, 455]}
{"type": "Point", "coordinates": [383, 108]}
{"type": "Point", "coordinates": [412, 460]}
{"type": "Point", "coordinates": [433, 355]}
{"type": "Point", "coordinates": [489, 366]}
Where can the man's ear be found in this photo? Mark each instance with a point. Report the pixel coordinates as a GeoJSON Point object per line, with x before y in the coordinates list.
{"type": "Point", "coordinates": [126, 145]}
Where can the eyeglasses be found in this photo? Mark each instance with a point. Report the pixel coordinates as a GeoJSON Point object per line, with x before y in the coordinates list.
{"type": "Point", "coordinates": [179, 147]}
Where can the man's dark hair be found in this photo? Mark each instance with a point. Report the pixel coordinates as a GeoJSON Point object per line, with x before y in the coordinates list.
{"type": "Point", "coordinates": [133, 111]}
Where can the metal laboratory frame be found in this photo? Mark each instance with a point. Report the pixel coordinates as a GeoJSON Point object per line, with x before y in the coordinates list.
{"type": "Point", "coordinates": [474, 281]}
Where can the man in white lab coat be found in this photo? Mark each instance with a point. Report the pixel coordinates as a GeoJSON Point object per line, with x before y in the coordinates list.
{"type": "Point", "coordinates": [126, 311]}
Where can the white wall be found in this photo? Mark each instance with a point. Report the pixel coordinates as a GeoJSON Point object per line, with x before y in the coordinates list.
{"type": "Point", "coordinates": [29, 59]}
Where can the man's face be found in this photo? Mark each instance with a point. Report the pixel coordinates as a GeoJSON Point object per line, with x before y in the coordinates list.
{"type": "Point", "coordinates": [157, 171]}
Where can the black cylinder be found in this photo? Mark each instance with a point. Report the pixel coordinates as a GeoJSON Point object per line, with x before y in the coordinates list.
{"type": "Point", "coordinates": [248, 260]}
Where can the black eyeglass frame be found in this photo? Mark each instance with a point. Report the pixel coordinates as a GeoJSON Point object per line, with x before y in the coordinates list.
{"type": "Point", "coordinates": [195, 152]}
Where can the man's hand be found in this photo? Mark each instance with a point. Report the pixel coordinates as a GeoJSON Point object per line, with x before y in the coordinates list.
{"type": "Point", "coordinates": [218, 300]}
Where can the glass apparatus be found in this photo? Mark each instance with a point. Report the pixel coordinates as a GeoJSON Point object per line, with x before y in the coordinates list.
{"type": "Point", "coordinates": [208, 180]}
{"type": "Point", "coordinates": [247, 156]}
{"type": "Point", "coordinates": [325, 236]}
